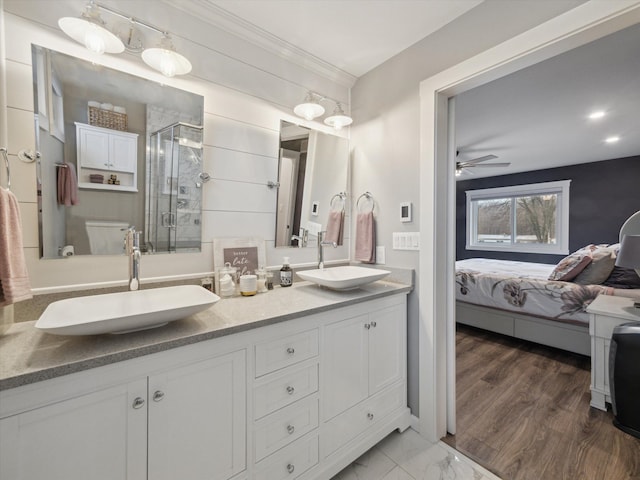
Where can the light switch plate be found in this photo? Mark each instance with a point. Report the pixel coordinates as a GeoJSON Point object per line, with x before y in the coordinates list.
{"type": "Point", "coordinates": [381, 255]}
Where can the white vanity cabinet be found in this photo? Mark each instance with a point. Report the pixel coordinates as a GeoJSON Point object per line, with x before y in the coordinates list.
{"type": "Point", "coordinates": [365, 372]}
{"type": "Point", "coordinates": [185, 419]}
{"type": "Point", "coordinates": [105, 151]}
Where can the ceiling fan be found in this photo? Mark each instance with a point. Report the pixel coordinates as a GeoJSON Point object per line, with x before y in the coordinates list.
{"type": "Point", "coordinates": [477, 162]}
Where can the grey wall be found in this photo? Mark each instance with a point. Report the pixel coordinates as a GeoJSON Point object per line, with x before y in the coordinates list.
{"type": "Point", "coordinates": [386, 130]}
{"type": "Point", "coordinates": [601, 197]}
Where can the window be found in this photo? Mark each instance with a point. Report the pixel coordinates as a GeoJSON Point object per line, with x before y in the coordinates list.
{"type": "Point", "coordinates": [524, 218]}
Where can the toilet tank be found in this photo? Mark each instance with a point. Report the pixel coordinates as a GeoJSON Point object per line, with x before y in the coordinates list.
{"type": "Point", "coordinates": [106, 237]}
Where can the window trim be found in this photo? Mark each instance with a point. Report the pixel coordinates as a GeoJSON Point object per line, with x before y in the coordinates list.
{"type": "Point", "coordinates": [561, 188]}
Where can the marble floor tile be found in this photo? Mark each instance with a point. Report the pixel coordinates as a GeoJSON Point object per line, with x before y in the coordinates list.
{"type": "Point", "coordinates": [398, 474]}
{"type": "Point", "coordinates": [373, 465]}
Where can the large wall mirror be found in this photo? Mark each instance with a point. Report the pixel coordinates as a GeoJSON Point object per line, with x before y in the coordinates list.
{"type": "Point", "coordinates": [312, 172]}
{"type": "Point", "coordinates": [116, 151]}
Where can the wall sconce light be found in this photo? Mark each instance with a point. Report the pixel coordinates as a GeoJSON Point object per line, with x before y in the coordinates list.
{"type": "Point", "coordinates": [338, 119]}
{"type": "Point", "coordinates": [90, 30]}
{"type": "Point", "coordinates": [311, 109]}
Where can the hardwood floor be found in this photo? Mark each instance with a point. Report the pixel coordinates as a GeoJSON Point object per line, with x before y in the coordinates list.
{"type": "Point", "coordinates": [523, 412]}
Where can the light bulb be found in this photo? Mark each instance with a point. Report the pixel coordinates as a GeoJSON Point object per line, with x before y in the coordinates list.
{"type": "Point", "coordinates": [94, 40]}
{"type": "Point", "coordinates": [167, 65]}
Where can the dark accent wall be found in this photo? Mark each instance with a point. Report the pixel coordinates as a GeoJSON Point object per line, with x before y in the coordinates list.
{"type": "Point", "coordinates": [601, 197]}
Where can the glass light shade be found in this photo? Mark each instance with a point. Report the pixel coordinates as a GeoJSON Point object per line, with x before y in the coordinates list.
{"type": "Point", "coordinates": [91, 34]}
{"type": "Point", "coordinates": [338, 119]}
{"type": "Point", "coordinates": [166, 60]}
{"type": "Point", "coordinates": [629, 254]}
{"type": "Point", "coordinates": [309, 110]}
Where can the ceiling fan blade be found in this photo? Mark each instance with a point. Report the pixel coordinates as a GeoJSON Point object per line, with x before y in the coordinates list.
{"type": "Point", "coordinates": [480, 159]}
{"type": "Point", "coordinates": [501, 164]}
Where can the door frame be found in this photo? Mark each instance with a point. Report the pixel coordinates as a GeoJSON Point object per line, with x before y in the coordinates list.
{"type": "Point", "coordinates": [583, 24]}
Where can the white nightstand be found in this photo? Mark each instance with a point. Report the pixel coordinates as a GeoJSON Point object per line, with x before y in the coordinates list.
{"type": "Point", "coordinates": [606, 313]}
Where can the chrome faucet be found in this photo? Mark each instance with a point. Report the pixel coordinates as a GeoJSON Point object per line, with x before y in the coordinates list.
{"type": "Point", "coordinates": [132, 247]}
{"type": "Point", "coordinates": [322, 243]}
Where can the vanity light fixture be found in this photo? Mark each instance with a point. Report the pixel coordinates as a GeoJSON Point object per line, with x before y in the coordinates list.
{"type": "Point", "coordinates": [91, 31]}
{"type": "Point", "coordinates": [310, 108]}
{"type": "Point", "coordinates": [165, 59]}
{"type": "Point", "coordinates": [338, 119]}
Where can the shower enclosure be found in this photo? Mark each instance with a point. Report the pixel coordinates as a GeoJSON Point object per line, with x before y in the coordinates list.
{"type": "Point", "coordinates": [174, 187]}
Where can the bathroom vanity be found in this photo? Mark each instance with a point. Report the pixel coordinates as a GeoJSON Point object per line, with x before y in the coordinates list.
{"type": "Point", "coordinates": [293, 383]}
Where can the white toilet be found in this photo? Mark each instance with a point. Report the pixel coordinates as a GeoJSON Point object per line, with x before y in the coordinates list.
{"type": "Point", "coordinates": [106, 237]}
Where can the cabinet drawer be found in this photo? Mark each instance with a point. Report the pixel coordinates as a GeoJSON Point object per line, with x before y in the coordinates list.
{"type": "Point", "coordinates": [281, 428]}
{"type": "Point", "coordinates": [348, 425]}
{"type": "Point", "coordinates": [291, 461]}
{"type": "Point", "coordinates": [282, 352]}
{"type": "Point", "coordinates": [282, 389]}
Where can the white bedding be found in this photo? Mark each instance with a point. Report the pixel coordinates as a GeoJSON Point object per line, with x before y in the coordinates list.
{"type": "Point", "coordinates": [523, 287]}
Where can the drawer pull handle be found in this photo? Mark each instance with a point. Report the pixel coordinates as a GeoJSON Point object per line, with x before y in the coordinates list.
{"type": "Point", "coordinates": [290, 390]}
{"type": "Point", "coordinates": [291, 429]}
{"type": "Point", "coordinates": [291, 350]}
{"type": "Point", "coordinates": [158, 395]}
{"type": "Point", "coordinates": [370, 416]}
{"type": "Point", "coordinates": [138, 402]}
{"type": "Point", "coordinates": [373, 324]}
{"type": "Point", "coordinates": [367, 326]}
{"type": "Point", "coordinates": [290, 467]}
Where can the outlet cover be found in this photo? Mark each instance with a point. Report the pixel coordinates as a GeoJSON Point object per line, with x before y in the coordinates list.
{"type": "Point", "coordinates": [381, 255]}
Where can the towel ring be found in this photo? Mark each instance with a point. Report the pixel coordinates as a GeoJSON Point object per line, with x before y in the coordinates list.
{"type": "Point", "coordinates": [368, 196]}
{"type": "Point", "coordinates": [342, 196]}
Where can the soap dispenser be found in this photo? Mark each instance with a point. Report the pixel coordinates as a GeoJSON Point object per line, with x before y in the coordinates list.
{"type": "Point", "coordinates": [286, 274]}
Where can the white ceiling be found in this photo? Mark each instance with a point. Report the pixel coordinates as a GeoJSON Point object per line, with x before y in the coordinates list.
{"type": "Point", "coordinates": [537, 118]}
{"type": "Point", "coordinates": [352, 35]}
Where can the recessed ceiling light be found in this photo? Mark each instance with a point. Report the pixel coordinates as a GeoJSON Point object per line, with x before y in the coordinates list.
{"type": "Point", "coordinates": [596, 115]}
{"type": "Point", "coordinates": [612, 139]}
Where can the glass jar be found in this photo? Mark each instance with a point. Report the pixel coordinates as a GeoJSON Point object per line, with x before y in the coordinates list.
{"type": "Point", "coordinates": [228, 280]}
{"type": "Point", "coordinates": [261, 273]}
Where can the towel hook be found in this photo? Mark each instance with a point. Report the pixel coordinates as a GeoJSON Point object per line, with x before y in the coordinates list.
{"type": "Point", "coordinates": [342, 196]}
{"type": "Point", "coordinates": [368, 196]}
{"type": "Point", "coordinates": [6, 163]}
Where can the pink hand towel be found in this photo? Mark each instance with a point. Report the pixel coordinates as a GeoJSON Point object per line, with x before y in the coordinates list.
{"type": "Point", "coordinates": [14, 278]}
{"type": "Point", "coordinates": [335, 227]}
{"type": "Point", "coordinates": [365, 238]}
{"type": "Point", "coordinates": [67, 185]}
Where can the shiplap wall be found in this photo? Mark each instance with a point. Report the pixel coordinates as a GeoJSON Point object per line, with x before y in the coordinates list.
{"type": "Point", "coordinates": [241, 152]}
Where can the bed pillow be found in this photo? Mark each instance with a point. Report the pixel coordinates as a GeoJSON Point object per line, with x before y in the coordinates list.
{"type": "Point", "coordinates": [569, 267]}
{"type": "Point", "coordinates": [623, 278]}
{"type": "Point", "coordinates": [601, 266]}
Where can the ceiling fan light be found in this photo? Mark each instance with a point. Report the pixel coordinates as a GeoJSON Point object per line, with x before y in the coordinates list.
{"type": "Point", "coordinates": [309, 109]}
{"type": "Point", "coordinates": [89, 29]}
{"type": "Point", "coordinates": [338, 119]}
{"type": "Point", "coordinates": [165, 59]}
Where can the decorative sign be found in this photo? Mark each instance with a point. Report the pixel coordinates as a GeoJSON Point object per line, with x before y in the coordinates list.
{"type": "Point", "coordinates": [245, 259]}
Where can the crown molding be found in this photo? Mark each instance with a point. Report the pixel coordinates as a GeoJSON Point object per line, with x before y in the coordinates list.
{"type": "Point", "coordinates": [230, 23]}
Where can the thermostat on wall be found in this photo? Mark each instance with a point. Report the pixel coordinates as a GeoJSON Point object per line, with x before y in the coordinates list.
{"type": "Point", "coordinates": [406, 214]}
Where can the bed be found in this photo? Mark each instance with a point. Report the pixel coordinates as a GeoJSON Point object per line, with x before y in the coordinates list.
{"type": "Point", "coordinates": [517, 299]}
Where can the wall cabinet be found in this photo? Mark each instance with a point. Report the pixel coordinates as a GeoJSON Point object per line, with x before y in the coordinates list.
{"type": "Point", "coordinates": [187, 419]}
{"type": "Point", "coordinates": [299, 399]}
{"type": "Point", "coordinates": [104, 151]}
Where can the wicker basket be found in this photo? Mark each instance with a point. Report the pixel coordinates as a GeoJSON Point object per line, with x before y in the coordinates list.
{"type": "Point", "coordinates": [107, 119]}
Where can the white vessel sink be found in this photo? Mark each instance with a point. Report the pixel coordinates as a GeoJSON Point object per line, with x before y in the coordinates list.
{"type": "Point", "coordinates": [343, 278]}
{"type": "Point", "coordinates": [125, 311]}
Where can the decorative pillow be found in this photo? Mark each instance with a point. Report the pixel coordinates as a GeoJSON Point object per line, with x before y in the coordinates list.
{"type": "Point", "coordinates": [569, 267]}
{"type": "Point", "coordinates": [623, 278]}
{"type": "Point", "coordinates": [599, 269]}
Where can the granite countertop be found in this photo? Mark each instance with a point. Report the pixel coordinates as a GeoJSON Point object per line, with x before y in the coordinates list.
{"type": "Point", "coordinates": [28, 355]}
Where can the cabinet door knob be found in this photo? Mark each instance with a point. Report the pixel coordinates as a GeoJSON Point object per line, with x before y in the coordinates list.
{"type": "Point", "coordinates": [291, 350]}
{"type": "Point", "coordinates": [370, 416]}
{"type": "Point", "coordinates": [291, 429]}
{"type": "Point", "coordinates": [373, 324]}
{"type": "Point", "coordinates": [367, 326]}
{"type": "Point", "coordinates": [290, 390]}
{"type": "Point", "coordinates": [290, 467]}
{"type": "Point", "coordinates": [158, 395]}
{"type": "Point", "coordinates": [138, 402]}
